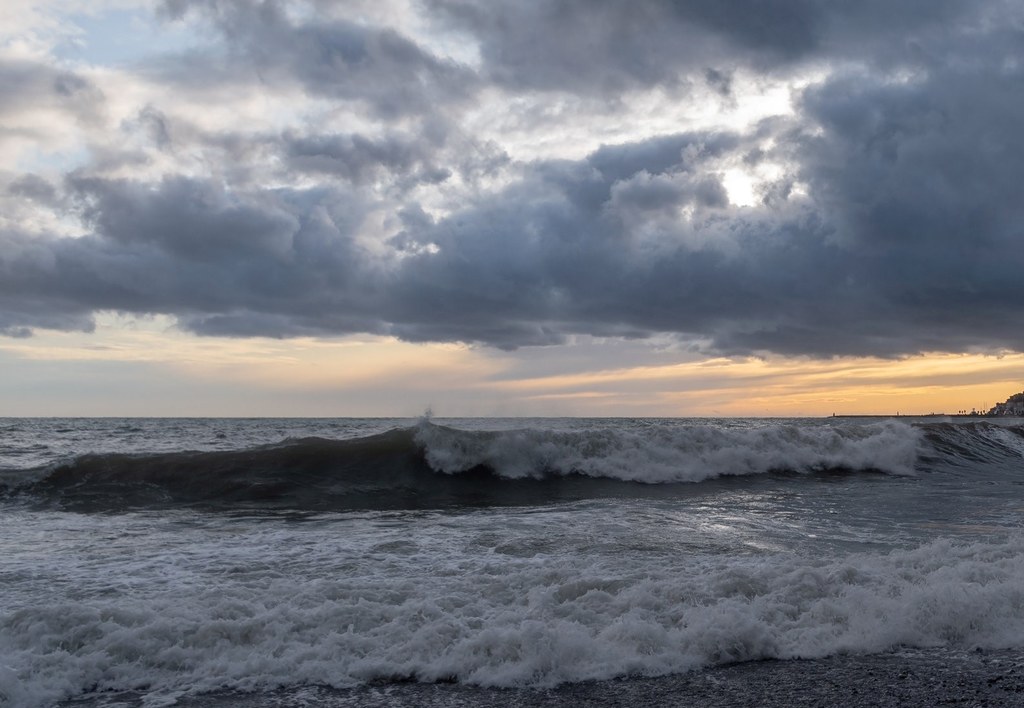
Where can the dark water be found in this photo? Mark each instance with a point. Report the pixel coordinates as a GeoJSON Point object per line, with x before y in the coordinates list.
{"type": "Point", "coordinates": [153, 561]}
{"type": "Point", "coordinates": [431, 466]}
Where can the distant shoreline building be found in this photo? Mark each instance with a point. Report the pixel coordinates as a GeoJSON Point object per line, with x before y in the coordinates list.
{"type": "Point", "coordinates": [1014, 405]}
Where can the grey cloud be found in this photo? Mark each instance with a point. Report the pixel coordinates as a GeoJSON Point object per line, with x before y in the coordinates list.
{"type": "Point", "coordinates": [285, 262]}
{"type": "Point", "coordinates": [188, 248]}
{"type": "Point", "coordinates": [683, 151]}
{"type": "Point", "coordinates": [429, 152]}
{"type": "Point", "coordinates": [358, 158]}
{"type": "Point", "coordinates": [905, 234]}
{"type": "Point", "coordinates": [156, 125]}
{"type": "Point", "coordinates": [29, 275]}
{"type": "Point", "coordinates": [389, 161]}
{"type": "Point", "coordinates": [589, 183]}
{"type": "Point", "coordinates": [194, 221]}
{"type": "Point", "coordinates": [551, 263]}
{"type": "Point", "coordinates": [720, 81]}
{"type": "Point", "coordinates": [34, 188]}
{"type": "Point", "coordinates": [338, 59]}
{"type": "Point", "coordinates": [509, 273]}
{"type": "Point", "coordinates": [646, 194]}
{"type": "Point", "coordinates": [608, 46]}
{"type": "Point", "coordinates": [249, 323]}
{"type": "Point", "coordinates": [909, 240]}
{"type": "Point", "coordinates": [26, 84]}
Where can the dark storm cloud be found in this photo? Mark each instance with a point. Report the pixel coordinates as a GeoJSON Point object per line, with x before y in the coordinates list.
{"type": "Point", "coordinates": [549, 256]}
{"type": "Point", "coordinates": [575, 250]}
{"type": "Point", "coordinates": [193, 221]}
{"type": "Point", "coordinates": [920, 180]}
{"type": "Point", "coordinates": [28, 292]}
{"type": "Point", "coordinates": [336, 59]}
{"type": "Point", "coordinates": [609, 46]}
{"type": "Point", "coordinates": [898, 226]}
{"type": "Point", "coordinates": [191, 248]}
{"type": "Point", "coordinates": [596, 246]}
{"type": "Point", "coordinates": [359, 159]}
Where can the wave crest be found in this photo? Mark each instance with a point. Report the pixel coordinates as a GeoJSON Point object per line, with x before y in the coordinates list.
{"type": "Point", "coordinates": [434, 466]}
{"type": "Point", "coordinates": [664, 454]}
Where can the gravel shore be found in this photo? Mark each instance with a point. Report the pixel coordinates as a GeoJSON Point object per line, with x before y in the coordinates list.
{"type": "Point", "coordinates": [906, 679]}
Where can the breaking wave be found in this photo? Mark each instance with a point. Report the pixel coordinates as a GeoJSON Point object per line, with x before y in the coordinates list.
{"type": "Point", "coordinates": [432, 466]}
{"type": "Point", "coordinates": [518, 623]}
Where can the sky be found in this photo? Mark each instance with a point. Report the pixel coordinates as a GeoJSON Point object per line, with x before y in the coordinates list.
{"type": "Point", "coordinates": [510, 207]}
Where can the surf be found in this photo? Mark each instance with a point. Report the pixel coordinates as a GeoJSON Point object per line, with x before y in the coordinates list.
{"type": "Point", "coordinates": [429, 465]}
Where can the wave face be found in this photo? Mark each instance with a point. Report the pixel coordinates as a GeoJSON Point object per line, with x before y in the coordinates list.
{"type": "Point", "coordinates": [968, 445]}
{"type": "Point", "coordinates": [383, 471]}
{"type": "Point", "coordinates": [432, 466]}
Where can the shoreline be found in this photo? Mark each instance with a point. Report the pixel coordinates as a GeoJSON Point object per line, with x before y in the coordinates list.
{"type": "Point", "coordinates": [911, 678]}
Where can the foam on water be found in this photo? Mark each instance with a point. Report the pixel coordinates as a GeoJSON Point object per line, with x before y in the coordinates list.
{"type": "Point", "coordinates": [248, 566]}
{"type": "Point", "coordinates": [187, 605]}
{"type": "Point", "coordinates": [673, 453]}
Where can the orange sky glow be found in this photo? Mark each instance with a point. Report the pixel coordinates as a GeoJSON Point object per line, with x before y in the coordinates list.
{"type": "Point", "coordinates": [179, 374]}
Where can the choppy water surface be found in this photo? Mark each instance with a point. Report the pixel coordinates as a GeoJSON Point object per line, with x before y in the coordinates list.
{"type": "Point", "coordinates": [170, 559]}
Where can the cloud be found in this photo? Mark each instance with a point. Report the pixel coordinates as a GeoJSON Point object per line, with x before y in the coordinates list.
{"type": "Point", "coordinates": [607, 47]}
{"type": "Point", "coordinates": [42, 102]}
{"type": "Point", "coordinates": [530, 265]}
{"type": "Point", "coordinates": [361, 159]}
{"type": "Point", "coordinates": [336, 59]}
{"type": "Point", "coordinates": [892, 224]}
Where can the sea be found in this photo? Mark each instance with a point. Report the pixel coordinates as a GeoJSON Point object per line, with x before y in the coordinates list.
{"type": "Point", "coordinates": [508, 561]}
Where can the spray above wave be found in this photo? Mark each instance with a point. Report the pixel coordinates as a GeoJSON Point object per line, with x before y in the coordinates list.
{"type": "Point", "coordinates": [433, 466]}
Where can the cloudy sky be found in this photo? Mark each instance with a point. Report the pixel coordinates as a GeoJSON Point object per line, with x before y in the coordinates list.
{"type": "Point", "coordinates": [510, 207]}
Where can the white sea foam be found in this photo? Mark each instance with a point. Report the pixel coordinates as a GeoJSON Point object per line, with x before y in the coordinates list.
{"type": "Point", "coordinates": [673, 453]}
{"type": "Point", "coordinates": [251, 607]}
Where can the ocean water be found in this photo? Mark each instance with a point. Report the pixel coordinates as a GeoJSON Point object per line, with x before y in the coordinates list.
{"type": "Point", "coordinates": [203, 561]}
